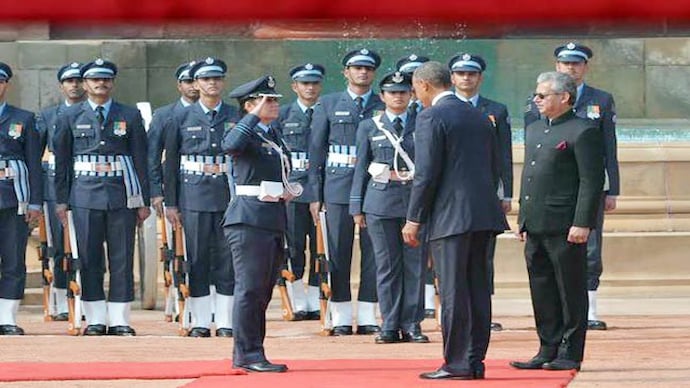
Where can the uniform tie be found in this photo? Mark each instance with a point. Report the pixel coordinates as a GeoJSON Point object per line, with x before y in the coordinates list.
{"type": "Point", "coordinates": [359, 101]}
{"type": "Point", "coordinates": [397, 124]}
{"type": "Point", "coordinates": [99, 114]}
{"type": "Point", "coordinates": [309, 113]}
{"type": "Point", "coordinates": [211, 114]}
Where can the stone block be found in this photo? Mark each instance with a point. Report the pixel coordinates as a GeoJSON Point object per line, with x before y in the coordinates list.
{"type": "Point", "coordinates": [82, 51]}
{"type": "Point", "coordinates": [49, 92]}
{"type": "Point", "coordinates": [667, 51]}
{"type": "Point", "coordinates": [667, 91]}
{"type": "Point", "coordinates": [26, 90]}
{"type": "Point", "coordinates": [125, 54]}
{"type": "Point", "coordinates": [130, 85]}
{"type": "Point", "coordinates": [41, 55]}
{"type": "Point", "coordinates": [10, 54]}
{"type": "Point", "coordinates": [168, 54]}
{"type": "Point", "coordinates": [165, 91]}
{"type": "Point", "coordinates": [627, 85]}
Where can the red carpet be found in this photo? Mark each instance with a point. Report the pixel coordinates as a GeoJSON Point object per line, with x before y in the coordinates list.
{"type": "Point", "coordinates": [55, 371]}
{"type": "Point", "coordinates": [384, 374]}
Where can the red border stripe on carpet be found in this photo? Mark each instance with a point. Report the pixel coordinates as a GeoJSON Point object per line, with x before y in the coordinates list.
{"type": "Point", "coordinates": [170, 370]}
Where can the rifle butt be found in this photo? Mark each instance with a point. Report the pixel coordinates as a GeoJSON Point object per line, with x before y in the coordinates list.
{"type": "Point", "coordinates": [46, 304]}
{"type": "Point", "coordinates": [325, 321]}
{"type": "Point", "coordinates": [286, 307]}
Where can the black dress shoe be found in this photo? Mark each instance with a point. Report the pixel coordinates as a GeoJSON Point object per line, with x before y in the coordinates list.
{"type": "Point", "coordinates": [536, 362]}
{"type": "Point", "coordinates": [495, 326]}
{"type": "Point", "coordinates": [11, 330]}
{"type": "Point", "coordinates": [199, 332]}
{"type": "Point", "coordinates": [478, 371]}
{"type": "Point", "coordinates": [441, 374]}
{"type": "Point", "coordinates": [224, 332]}
{"type": "Point", "coordinates": [124, 331]}
{"type": "Point", "coordinates": [264, 366]}
{"type": "Point", "coordinates": [368, 329]}
{"type": "Point", "coordinates": [312, 316]}
{"type": "Point", "coordinates": [61, 317]}
{"type": "Point", "coordinates": [429, 313]}
{"type": "Point", "coordinates": [596, 325]}
{"type": "Point", "coordinates": [562, 364]}
{"type": "Point", "coordinates": [415, 336]}
{"type": "Point", "coordinates": [342, 330]}
{"type": "Point", "coordinates": [299, 315]}
{"type": "Point", "coordinates": [94, 330]}
{"type": "Point", "coordinates": [387, 337]}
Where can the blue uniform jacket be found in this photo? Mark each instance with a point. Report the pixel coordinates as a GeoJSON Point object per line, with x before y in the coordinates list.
{"type": "Point", "coordinates": [19, 140]}
{"type": "Point", "coordinates": [79, 133]}
{"type": "Point", "coordinates": [292, 124]}
{"type": "Point", "coordinates": [191, 132]}
{"type": "Point", "coordinates": [498, 114]}
{"type": "Point", "coordinates": [334, 124]}
{"type": "Point", "coordinates": [46, 123]}
{"type": "Point", "coordinates": [156, 142]}
{"type": "Point", "coordinates": [382, 199]}
{"type": "Point", "coordinates": [254, 162]}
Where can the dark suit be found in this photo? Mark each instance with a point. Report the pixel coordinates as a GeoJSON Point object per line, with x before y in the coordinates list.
{"type": "Point", "coordinates": [19, 143]}
{"type": "Point", "coordinates": [599, 106]}
{"type": "Point", "coordinates": [561, 187]}
{"type": "Point", "coordinates": [399, 268]}
{"type": "Point", "coordinates": [296, 130]}
{"type": "Point", "coordinates": [254, 231]}
{"type": "Point", "coordinates": [498, 115]}
{"type": "Point", "coordinates": [99, 202]}
{"type": "Point", "coordinates": [202, 197]}
{"type": "Point", "coordinates": [334, 130]}
{"type": "Point", "coordinates": [47, 123]}
{"type": "Point", "coordinates": [156, 143]}
{"type": "Point", "coordinates": [454, 193]}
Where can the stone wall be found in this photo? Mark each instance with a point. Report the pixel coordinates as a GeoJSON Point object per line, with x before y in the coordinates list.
{"type": "Point", "coordinates": [649, 77]}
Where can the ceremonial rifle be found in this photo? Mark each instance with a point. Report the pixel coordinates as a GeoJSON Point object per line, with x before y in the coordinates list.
{"type": "Point", "coordinates": [44, 257]}
{"type": "Point", "coordinates": [71, 266]}
{"type": "Point", "coordinates": [167, 257]}
{"type": "Point", "coordinates": [181, 278]}
{"type": "Point", "coordinates": [285, 276]}
{"type": "Point", "coordinates": [322, 270]}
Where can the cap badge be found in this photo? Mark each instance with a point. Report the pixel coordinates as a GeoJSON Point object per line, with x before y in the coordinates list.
{"type": "Point", "coordinates": [99, 62]}
{"type": "Point", "coordinates": [74, 65]}
{"type": "Point", "coordinates": [192, 63]}
{"type": "Point", "coordinates": [413, 57]}
{"type": "Point", "coordinates": [209, 60]}
{"type": "Point", "coordinates": [397, 77]}
{"type": "Point", "coordinates": [570, 46]}
{"type": "Point", "coordinates": [466, 57]}
{"type": "Point", "coordinates": [364, 51]}
{"type": "Point", "coordinates": [308, 66]}
{"type": "Point", "coordinates": [271, 82]}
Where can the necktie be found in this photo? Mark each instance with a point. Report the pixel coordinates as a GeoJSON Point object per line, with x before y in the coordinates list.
{"type": "Point", "coordinates": [211, 115]}
{"type": "Point", "coordinates": [359, 101]}
{"type": "Point", "coordinates": [99, 114]}
{"type": "Point", "coordinates": [309, 112]}
{"type": "Point", "coordinates": [397, 124]}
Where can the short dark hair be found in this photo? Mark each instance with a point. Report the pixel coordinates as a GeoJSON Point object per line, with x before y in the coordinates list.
{"type": "Point", "coordinates": [434, 73]}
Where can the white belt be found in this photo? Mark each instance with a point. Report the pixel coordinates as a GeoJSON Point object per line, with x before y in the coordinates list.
{"type": "Point", "coordinates": [267, 191]}
{"type": "Point", "coordinates": [97, 166]}
{"type": "Point", "coordinates": [7, 173]}
{"type": "Point", "coordinates": [300, 164]}
{"type": "Point", "coordinates": [206, 168]}
{"type": "Point", "coordinates": [248, 190]}
{"type": "Point", "coordinates": [341, 158]}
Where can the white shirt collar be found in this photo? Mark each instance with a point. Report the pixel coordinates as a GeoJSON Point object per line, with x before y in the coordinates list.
{"type": "Point", "coordinates": [440, 96]}
{"type": "Point", "coordinates": [403, 116]}
{"type": "Point", "coordinates": [474, 100]}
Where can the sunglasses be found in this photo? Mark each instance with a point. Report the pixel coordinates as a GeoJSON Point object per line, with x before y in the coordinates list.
{"type": "Point", "coordinates": [541, 96]}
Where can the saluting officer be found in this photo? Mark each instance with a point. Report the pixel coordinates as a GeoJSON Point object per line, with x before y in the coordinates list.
{"type": "Point", "coordinates": [20, 200]}
{"type": "Point", "coordinates": [467, 75]}
{"type": "Point", "coordinates": [295, 124]}
{"type": "Point", "coordinates": [381, 191]}
{"type": "Point", "coordinates": [197, 192]}
{"type": "Point", "coordinates": [255, 221]}
{"type": "Point", "coordinates": [70, 84]}
{"type": "Point", "coordinates": [332, 157]}
{"type": "Point", "coordinates": [598, 106]}
{"type": "Point", "coordinates": [101, 172]}
{"type": "Point", "coordinates": [156, 138]}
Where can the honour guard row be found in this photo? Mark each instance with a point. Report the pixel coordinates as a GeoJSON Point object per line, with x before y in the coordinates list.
{"type": "Point", "coordinates": [242, 192]}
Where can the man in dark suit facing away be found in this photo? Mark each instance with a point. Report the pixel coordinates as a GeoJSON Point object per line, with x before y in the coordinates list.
{"type": "Point", "coordinates": [559, 198]}
{"type": "Point", "coordinates": [454, 193]}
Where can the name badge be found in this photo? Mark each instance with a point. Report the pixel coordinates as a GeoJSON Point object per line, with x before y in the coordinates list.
{"type": "Point", "coordinates": [291, 125]}
{"type": "Point", "coordinates": [193, 129]}
{"type": "Point", "coordinates": [342, 113]}
{"type": "Point", "coordinates": [83, 126]}
{"type": "Point", "coordinates": [376, 138]}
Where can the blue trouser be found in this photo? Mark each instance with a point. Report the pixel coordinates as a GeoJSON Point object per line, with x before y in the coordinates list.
{"type": "Point", "coordinates": [59, 276]}
{"type": "Point", "coordinates": [299, 226]}
{"type": "Point", "coordinates": [116, 228]}
{"type": "Point", "coordinates": [341, 233]}
{"type": "Point", "coordinates": [257, 255]}
{"type": "Point", "coordinates": [210, 260]}
{"type": "Point", "coordinates": [399, 270]}
{"type": "Point", "coordinates": [15, 235]}
{"type": "Point", "coordinates": [594, 263]}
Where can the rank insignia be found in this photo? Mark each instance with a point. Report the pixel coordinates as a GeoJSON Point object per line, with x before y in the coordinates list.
{"type": "Point", "coordinates": [15, 130]}
{"type": "Point", "coordinates": [120, 128]}
{"type": "Point", "coordinates": [593, 112]}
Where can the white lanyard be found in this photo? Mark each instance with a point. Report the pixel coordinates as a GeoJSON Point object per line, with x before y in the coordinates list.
{"type": "Point", "coordinates": [294, 188]}
{"type": "Point", "coordinates": [395, 140]}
